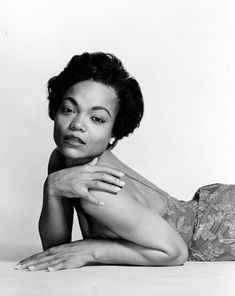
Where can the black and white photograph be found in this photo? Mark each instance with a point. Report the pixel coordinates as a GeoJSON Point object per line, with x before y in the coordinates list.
{"type": "Point", "coordinates": [117, 147]}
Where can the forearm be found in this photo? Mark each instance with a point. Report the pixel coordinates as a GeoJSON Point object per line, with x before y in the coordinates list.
{"type": "Point", "coordinates": [125, 252]}
{"type": "Point", "coordinates": [91, 251]}
{"type": "Point", "coordinates": [55, 223]}
{"type": "Point", "coordinates": [138, 224]}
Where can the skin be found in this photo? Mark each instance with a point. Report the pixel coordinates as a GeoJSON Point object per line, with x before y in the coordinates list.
{"type": "Point", "coordinates": [79, 180]}
{"type": "Point", "coordinates": [88, 111]}
{"type": "Point", "coordinates": [133, 230]}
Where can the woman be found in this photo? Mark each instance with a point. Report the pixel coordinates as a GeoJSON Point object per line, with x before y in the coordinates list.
{"type": "Point", "coordinates": [124, 218]}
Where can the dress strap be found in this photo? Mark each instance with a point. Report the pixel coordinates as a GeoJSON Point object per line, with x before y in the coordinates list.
{"type": "Point", "coordinates": [155, 188]}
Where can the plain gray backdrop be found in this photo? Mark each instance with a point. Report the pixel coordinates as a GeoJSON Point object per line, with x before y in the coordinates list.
{"type": "Point", "coordinates": [181, 52]}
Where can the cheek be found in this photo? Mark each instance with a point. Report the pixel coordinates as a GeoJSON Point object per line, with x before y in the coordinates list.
{"type": "Point", "coordinates": [60, 124]}
{"type": "Point", "coordinates": [56, 134]}
{"type": "Point", "coordinates": [103, 138]}
{"type": "Point", "coordinates": [58, 129]}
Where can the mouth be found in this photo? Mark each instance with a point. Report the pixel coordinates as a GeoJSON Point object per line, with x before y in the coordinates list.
{"type": "Point", "coordinates": [72, 140]}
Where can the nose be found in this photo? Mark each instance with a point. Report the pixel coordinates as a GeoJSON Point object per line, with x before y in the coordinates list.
{"type": "Point", "coordinates": [78, 124]}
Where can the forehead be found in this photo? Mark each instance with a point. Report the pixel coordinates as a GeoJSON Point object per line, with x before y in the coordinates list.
{"type": "Point", "coordinates": [92, 93]}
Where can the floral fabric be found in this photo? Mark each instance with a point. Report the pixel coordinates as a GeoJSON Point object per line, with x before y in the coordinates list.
{"type": "Point", "coordinates": [206, 223]}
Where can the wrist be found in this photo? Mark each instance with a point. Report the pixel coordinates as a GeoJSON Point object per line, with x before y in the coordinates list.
{"type": "Point", "coordinates": [101, 250]}
{"type": "Point", "coordinates": [49, 186]}
{"type": "Point", "coordinates": [49, 192]}
{"type": "Point", "coordinates": [92, 246]}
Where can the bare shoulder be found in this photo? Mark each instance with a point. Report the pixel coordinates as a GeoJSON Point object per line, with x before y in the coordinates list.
{"type": "Point", "coordinates": [56, 161]}
{"type": "Point", "coordinates": [130, 202]}
{"type": "Point", "coordinates": [108, 158]}
{"type": "Point", "coordinates": [117, 208]}
{"type": "Point", "coordinates": [137, 187]}
{"type": "Point", "coordinates": [125, 216]}
{"type": "Point", "coordinates": [117, 205]}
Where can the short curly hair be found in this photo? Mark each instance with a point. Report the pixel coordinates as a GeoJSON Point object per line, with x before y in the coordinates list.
{"type": "Point", "coordinates": [107, 69]}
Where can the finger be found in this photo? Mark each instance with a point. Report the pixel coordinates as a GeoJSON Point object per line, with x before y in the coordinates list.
{"type": "Point", "coordinates": [66, 264]}
{"type": "Point", "coordinates": [107, 178]}
{"type": "Point", "coordinates": [39, 257]}
{"type": "Point", "coordinates": [44, 265]}
{"type": "Point", "coordinates": [93, 200]}
{"type": "Point", "coordinates": [102, 186]}
{"type": "Point", "coordinates": [106, 169]}
{"type": "Point", "coordinates": [34, 262]}
{"type": "Point", "coordinates": [54, 267]}
{"type": "Point", "coordinates": [21, 264]}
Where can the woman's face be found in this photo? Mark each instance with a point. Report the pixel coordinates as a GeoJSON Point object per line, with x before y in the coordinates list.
{"type": "Point", "coordinates": [84, 121]}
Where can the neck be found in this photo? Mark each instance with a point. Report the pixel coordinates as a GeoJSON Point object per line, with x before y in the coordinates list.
{"type": "Point", "coordinates": [70, 162]}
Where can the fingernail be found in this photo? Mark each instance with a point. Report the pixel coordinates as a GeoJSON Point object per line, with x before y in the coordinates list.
{"type": "Point", "coordinates": [101, 203]}
{"type": "Point", "coordinates": [19, 266]}
{"type": "Point", "coordinates": [121, 174]}
{"type": "Point", "coordinates": [31, 268]}
{"type": "Point", "coordinates": [122, 183]}
{"type": "Point", "coordinates": [117, 189]}
{"type": "Point", "coordinates": [50, 269]}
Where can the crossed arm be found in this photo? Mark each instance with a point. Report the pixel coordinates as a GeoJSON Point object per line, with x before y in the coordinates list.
{"type": "Point", "coordinates": [147, 238]}
{"type": "Point", "coordinates": [146, 241]}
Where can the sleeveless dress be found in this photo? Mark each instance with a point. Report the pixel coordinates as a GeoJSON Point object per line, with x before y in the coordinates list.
{"type": "Point", "coordinates": [206, 223]}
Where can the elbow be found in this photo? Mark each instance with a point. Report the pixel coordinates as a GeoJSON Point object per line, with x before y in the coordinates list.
{"type": "Point", "coordinates": [181, 258]}
{"type": "Point", "coordinates": [43, 236]}
{"type": "Point", "coordinates": [174, 255]}
{"type": "Point", "coordinates": [177, 251]}
{"type": "Point", "coordinates": [169, 257]}
{"type": "Point", "coordinates": [51, 238]}
{"type": "Point", "coordinates": [178, 257]}
{"type": "Point", "coordinates": [49, 241]}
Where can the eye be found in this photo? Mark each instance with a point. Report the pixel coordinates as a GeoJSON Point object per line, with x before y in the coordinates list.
{"type": "Point", "coordinates": [67, 109]}
{"type": "Point", "coordinates": [97, 119]}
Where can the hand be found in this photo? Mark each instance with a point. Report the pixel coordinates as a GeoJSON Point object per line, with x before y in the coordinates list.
{"type": "Point", "coordinates": [75, 182]}
{"type": "Point", "coordinates": [72, 255]}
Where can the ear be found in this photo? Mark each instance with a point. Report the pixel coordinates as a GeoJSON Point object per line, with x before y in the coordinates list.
{"type": "Point", "coordinates": [111, 140]}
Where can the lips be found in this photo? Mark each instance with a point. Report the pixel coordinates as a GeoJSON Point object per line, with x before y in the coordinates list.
{"type": "Point", "coordinates": [73, 140]}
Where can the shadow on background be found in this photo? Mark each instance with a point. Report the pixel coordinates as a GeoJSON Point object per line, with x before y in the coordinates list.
{"type": "Point", "coordinates": [17, 252]}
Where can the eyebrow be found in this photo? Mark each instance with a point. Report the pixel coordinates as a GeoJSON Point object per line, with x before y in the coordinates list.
{"type": "Point", "coordinates": [74, 102]}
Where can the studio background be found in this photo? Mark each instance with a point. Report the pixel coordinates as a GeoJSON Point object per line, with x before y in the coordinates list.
{"type": "Point", "coordinates": [181, 52]}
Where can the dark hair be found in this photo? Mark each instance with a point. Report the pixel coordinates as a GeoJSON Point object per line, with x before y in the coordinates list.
{"type": "Point", "coordinates": [106, 69]}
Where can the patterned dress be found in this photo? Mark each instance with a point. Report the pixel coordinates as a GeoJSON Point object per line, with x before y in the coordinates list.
{"type": "Point", "coordinates": [206, 223]}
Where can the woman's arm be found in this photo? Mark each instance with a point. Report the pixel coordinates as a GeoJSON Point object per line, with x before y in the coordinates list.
{"type": "Point", "coordinates": [149, 239]}
{"type": "Point", "coordinates": [61, 187]}
{"type": "Point", "coordinates": [56, 219]}
{"type": "Point", "coordinates": [76, 182]}
{"type": "Point", "coordinates": [126, 252]}
{"type": "Point", "coordinates": [92, 251]}
{"type": "Point", "coordinates": [134, 222]}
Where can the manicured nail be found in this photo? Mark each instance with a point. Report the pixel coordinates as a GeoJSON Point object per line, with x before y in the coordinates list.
{"type": "Point", "coordinates": [19, 266]}
{"type": "Point", "coordinates": [122, 183]}
{"type": "Point", "coordinates": [117, 189]}
{"type": "Point", "coordinates": [50, 269]}
{"type": "Point", "coordinates": [101, 203]}
{"type": "Point", "coordinates": [31, 268]}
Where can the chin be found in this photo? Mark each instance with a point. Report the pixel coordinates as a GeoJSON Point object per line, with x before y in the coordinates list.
{"type": "Point", "coordinates": [73, 161]}
{"type": "Point", "coordinates": [71, 153]}
{"type": "Point", "coordinates": [73, 158]}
